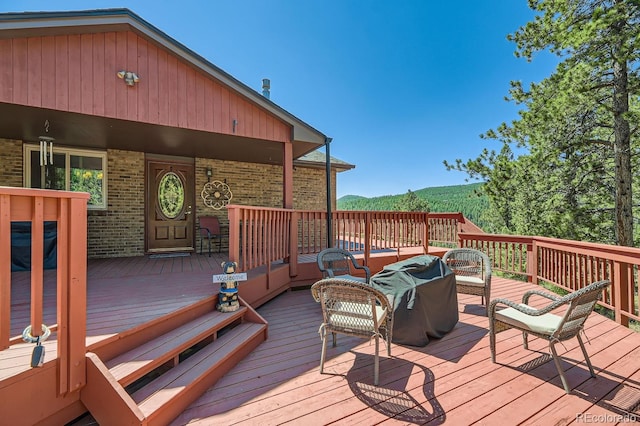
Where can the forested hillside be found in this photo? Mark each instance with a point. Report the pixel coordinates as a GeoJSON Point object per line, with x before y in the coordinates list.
{"type": "Point", "coordinates": [458, 198]}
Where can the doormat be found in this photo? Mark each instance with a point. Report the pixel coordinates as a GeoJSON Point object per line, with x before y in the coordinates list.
{"type": "Point", "coordinates": [165, 255]}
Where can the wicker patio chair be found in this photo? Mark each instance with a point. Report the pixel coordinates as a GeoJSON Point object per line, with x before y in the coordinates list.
{"type": "Point", "coordinates": [356, 309]}
{"type": "Point", "coordinates": [337, 262]}
{"type": "Point", "coordinates": [542, 323]}
{"type": "Point", "coordinates": [473, 272]}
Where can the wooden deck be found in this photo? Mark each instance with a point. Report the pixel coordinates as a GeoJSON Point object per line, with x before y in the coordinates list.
{"type": "Point", "coordinates": [122, 293]}
{"type": "Point", "coordinates": [451, 380]}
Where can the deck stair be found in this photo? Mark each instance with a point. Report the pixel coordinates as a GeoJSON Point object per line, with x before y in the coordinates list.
{"type": "Point", "coordinates": [155, 381]}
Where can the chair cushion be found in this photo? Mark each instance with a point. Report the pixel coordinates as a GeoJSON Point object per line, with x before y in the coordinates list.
{"type": "Point", "coordinates": [356, 316]}
{"type": "Point", "coordinates": [542, 324]}
{"type": "Point", "coordinates": [473, 281]}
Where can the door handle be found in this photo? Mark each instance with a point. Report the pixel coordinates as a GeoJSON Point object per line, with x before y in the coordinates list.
{"type": "Point", "coordinates": [188, 211]}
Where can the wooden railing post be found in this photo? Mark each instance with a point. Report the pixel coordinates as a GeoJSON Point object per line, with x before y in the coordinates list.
{"type": "Point", "coordinates": [234, 233]}
{"type": "Point", "coordinates": [621, 281]}
{"type": "Point", "coordinates": [367, 237]}
{"type": "Point", "coordinates": [5, 270]}
{"type": "Point", "coordinates": [77, 292]}
{"type": "Point", "coordinates": [444, 228]}
{"type": "Point", "coordinates": [37, 265]}
{"type": "Point", "coordinates": [425, 237]}
{"type": "Point", "coordinates": [64, 301]}
{"type": "Point", "coordinates": [293, 243]}
{"type": "Point", "coordinates": [532, 262]}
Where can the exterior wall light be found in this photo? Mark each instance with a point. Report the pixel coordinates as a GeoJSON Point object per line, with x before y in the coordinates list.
{"type": "Point", "coordinates": [129, 77]}
{"type": "Point", "coordinates": [209, 172]}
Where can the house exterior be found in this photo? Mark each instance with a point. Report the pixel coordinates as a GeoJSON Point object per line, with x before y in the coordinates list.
{"type": "Point", "coordinates": [102, 101]}
{"type": "Point", "coordinates": [154, 137]}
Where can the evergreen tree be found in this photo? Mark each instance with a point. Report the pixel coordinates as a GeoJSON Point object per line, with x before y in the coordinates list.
{"type": "Point", "coordinates": [410, 202]}
{"type": "Point", "coordinates": [579, 126]}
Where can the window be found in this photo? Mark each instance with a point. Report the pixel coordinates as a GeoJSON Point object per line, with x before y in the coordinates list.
{"type": "Point", "coordinates": [72, 170]}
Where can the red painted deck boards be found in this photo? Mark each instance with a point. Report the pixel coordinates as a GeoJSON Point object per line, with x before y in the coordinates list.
{"type": "Point", "coordinates": [451, 380]}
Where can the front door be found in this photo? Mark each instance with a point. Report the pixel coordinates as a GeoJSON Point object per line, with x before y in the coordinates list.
{"type": "Point", "coordinates": [170, 197]}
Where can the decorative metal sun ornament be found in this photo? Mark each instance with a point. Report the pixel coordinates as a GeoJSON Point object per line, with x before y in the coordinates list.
{"type": "Point", "coordinates": [216, 194]}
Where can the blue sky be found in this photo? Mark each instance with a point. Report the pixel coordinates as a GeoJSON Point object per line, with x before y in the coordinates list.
{"type": "Point", "coordinates": [399, 85]}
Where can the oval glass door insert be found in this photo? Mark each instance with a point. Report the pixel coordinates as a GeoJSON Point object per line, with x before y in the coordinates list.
{"type": "Point", "coordinates": [171, 195]}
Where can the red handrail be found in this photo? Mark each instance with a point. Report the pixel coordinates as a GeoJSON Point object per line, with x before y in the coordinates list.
{"type": "Point", "coordinates": [65, 208]}
{"type": "Point", "coordinates": [305, 232]}
{"type": "Point", "coordinates": [568, 264]}
{"type": "Point", "coordinates": [260, 235]}
{"type": "Point", "coordinates": [444, 227]}
{"type": "Point", "coordinates": [371, 230]}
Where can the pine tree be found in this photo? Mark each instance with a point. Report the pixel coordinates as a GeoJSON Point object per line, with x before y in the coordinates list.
{"type": "Point", "coordinates": [410, 202]}
{"type": "Point", "coordinates": [579, 126]}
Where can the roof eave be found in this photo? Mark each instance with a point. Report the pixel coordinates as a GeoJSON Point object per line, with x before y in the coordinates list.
{"type": "Point", "coordinates": [341, 167]}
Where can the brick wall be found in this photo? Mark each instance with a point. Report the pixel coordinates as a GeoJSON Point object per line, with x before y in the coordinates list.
{"type": "Point", "coordinates": [310, 189]}
{"type": "Point", "coordinates": [119, 231]}
{"type": "Point", "coordinates": [11, 163]}
{"type": "Point", "coordinates": [261, 185]}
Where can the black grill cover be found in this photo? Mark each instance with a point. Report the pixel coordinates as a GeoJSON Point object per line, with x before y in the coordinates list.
{"type": "Point", "coordinates": [425, 299]}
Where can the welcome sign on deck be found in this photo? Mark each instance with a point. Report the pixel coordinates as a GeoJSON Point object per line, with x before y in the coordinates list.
{"type": "Point", "coordinates": [223, 278]}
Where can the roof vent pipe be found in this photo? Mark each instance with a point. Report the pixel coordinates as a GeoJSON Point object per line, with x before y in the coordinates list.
{"type": "Point", "coordinates": [266, 87]}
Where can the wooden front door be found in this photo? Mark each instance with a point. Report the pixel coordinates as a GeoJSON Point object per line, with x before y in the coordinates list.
{"type": "Point", "coordinates": [170, 206]}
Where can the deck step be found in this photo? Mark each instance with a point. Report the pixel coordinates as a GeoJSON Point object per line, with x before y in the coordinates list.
{"type": "Point", "coordinates": [136, 363]}
{"type": "Point", "coordinates": [168, 395]}
{"type": "Point", "coordinates": [154, 382]}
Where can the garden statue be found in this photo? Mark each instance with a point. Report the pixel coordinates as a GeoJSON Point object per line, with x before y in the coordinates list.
{"type": "Point", "coordinates": [228, 296]}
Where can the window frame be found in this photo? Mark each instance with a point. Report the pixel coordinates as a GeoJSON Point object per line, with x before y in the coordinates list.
{"type": "Point", "coordinates": [28, 148]}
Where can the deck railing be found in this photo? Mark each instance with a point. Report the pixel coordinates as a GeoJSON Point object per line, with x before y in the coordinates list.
{"type": "Point", "coordinates": [508, 253]}
{"type": "Point", "coordinates": [69, 211]}
{"type": "Point", "coordinates": [570, 265]}
{"type": "Point", "coordinates": [312, 231]}
{"type": "Point", "coordinates": [368, 231]}
{"type": "Point", "coordinates": [443, 228]}
{"type": "Point", "coordinates": [259, 236]}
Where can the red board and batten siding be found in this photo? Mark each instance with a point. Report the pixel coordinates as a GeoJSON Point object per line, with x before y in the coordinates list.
{"type": "Point", "coordinates": [77, 73]}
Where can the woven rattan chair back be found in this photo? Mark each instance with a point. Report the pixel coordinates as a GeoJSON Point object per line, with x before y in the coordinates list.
{"type": "Point", "coordinates": [336, 262]}
{"type": "Point", "coordinates": [473, 272]}
{"type": "Point", "coordinates": [579, 309]}
{"type": "Point", "coordinates": [356, 309]}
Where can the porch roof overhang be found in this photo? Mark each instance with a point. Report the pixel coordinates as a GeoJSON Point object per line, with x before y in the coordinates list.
{"type": "Point", "coordinates": [88, 131]}
{"type": "Point", "coordinates": [26, 123]}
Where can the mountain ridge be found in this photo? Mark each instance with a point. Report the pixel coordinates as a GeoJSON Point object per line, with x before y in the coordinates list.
{"type": "Point", "coordinates": [467, 199]}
